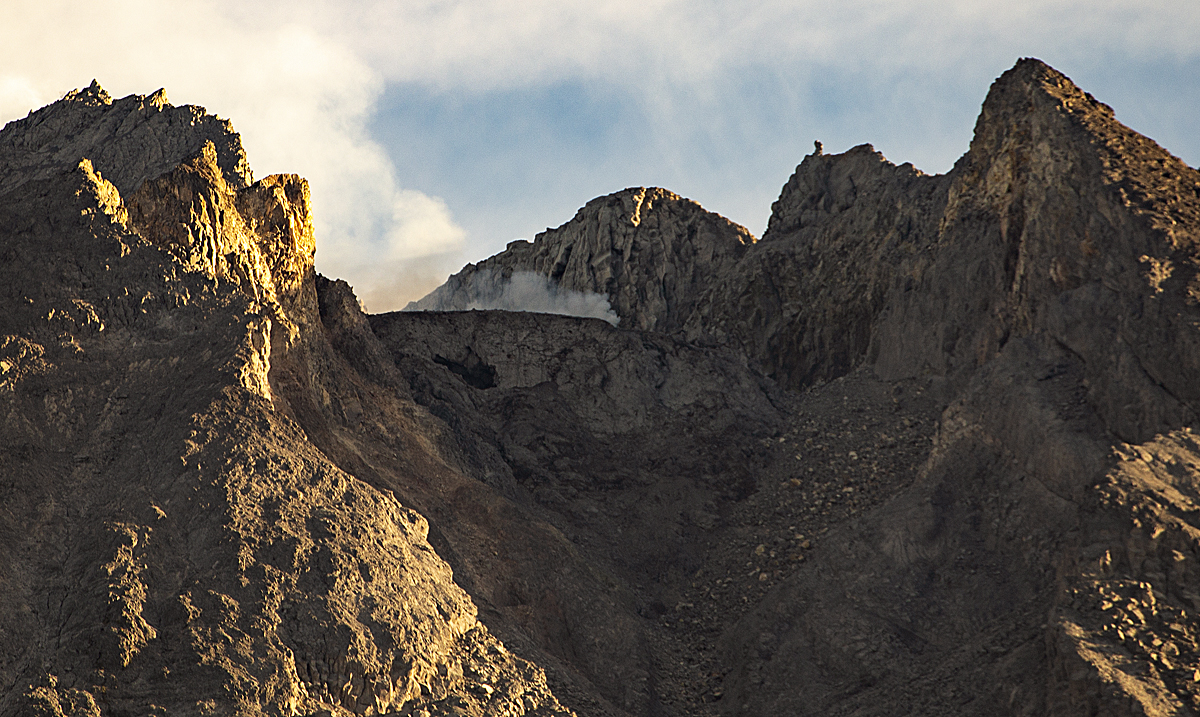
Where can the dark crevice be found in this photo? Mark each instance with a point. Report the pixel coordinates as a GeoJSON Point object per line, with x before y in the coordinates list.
{"type": "Point", "coordinates": [472, 370]}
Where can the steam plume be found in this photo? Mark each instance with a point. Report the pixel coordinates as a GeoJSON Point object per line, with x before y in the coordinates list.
{"type": "Point", "coordinates": [520, 291]}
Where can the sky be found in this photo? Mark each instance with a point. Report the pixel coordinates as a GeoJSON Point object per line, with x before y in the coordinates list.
{"type": "Point", "coordinates": [434, 132]}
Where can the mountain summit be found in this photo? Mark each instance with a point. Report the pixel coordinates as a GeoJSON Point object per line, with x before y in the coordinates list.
{"type": "Point", "coordinates": [926, 447]}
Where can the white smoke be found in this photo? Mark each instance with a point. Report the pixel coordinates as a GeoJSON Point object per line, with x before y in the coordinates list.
{"type": "Point", "coordinates": [520, 291]}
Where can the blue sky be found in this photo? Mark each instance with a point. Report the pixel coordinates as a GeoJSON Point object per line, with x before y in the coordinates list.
{"type": "Point", "coordinates": [434, 131]}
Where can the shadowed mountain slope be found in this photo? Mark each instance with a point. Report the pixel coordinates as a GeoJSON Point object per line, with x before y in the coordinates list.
{"type": "Point", "coordinates": [1044, 292]}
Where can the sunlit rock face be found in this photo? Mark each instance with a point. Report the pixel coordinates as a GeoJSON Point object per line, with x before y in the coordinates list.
{"type": "Point", "coordinates": [928, 447]}
{"type": "Point", "coordinates": [174, 541]}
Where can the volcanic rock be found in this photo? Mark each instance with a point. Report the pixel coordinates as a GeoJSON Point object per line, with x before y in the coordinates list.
{"type": "Point", "coordinates": [1043, 293]}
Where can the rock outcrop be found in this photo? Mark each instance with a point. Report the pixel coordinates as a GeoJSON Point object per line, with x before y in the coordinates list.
{"type": "Point", "coordinates": [174, 541]}
{"type": "Point", "coordinates": [651, 252]}
{"type": "Point", "coordinates": [1042, 292]}
{"type": "Point", "coordinates": [928, 447]}
{"type": "Point", "coordinates": [1046, 286]}
{"type": "Point", "coordinates": [1059, 221]}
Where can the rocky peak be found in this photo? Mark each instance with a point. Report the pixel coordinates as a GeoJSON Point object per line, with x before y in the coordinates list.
{"type": "Point", "coordinates": [161, 334]}
{"type": "Point", "coordinates": [179, 177]}
{"type": "Point", "coordinates": [1151, 181]}
{"type": "Point", "coordinates": [93, 95]}
{"type": "Point", "coordinates": [1055, 202]}
{"type": "Point", "coordinates": [128, 140]}
{"type": "Point", "coordinates": [648, 250]}
{"type": "Point", "coordinates": [1033, 104]}
{"type": "Point", "coordinates": [826, 185]}
{"type": "Point", "coordinates": [1077, 228]}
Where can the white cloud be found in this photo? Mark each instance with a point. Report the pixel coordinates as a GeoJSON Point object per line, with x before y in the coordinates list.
{"type": "Point", "coordinates": [299, 99]}
{"type": "Point", "coordinates": [18, 95]}
{"type": "Point", "coordinates": [687, 62]}
{"type": "Point", "coordinates": [490, 44]}
{"type": "Point", "coordinates": [300, 80]}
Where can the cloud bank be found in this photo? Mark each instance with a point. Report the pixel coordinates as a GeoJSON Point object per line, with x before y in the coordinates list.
{"type": "Point", "coordinates": [716, 99]}
{"type": "Point", "coordinates": [299, 98]}
{"type": "Point", "coordinates": [520, 291]}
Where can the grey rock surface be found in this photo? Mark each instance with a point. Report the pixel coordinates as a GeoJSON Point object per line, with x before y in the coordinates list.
{"type": "Point", "coordinates": [1041, 294]}
{"type": "Point", "coordinates": [1042, 288]}
{"type": "Point", "coordinates": [1059, 221]}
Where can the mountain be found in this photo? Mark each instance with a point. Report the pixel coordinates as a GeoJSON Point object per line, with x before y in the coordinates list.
{"type": "Point", "coordinates": [651, 252]}
{"type": "Point", "coordinates": [926, 447]}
